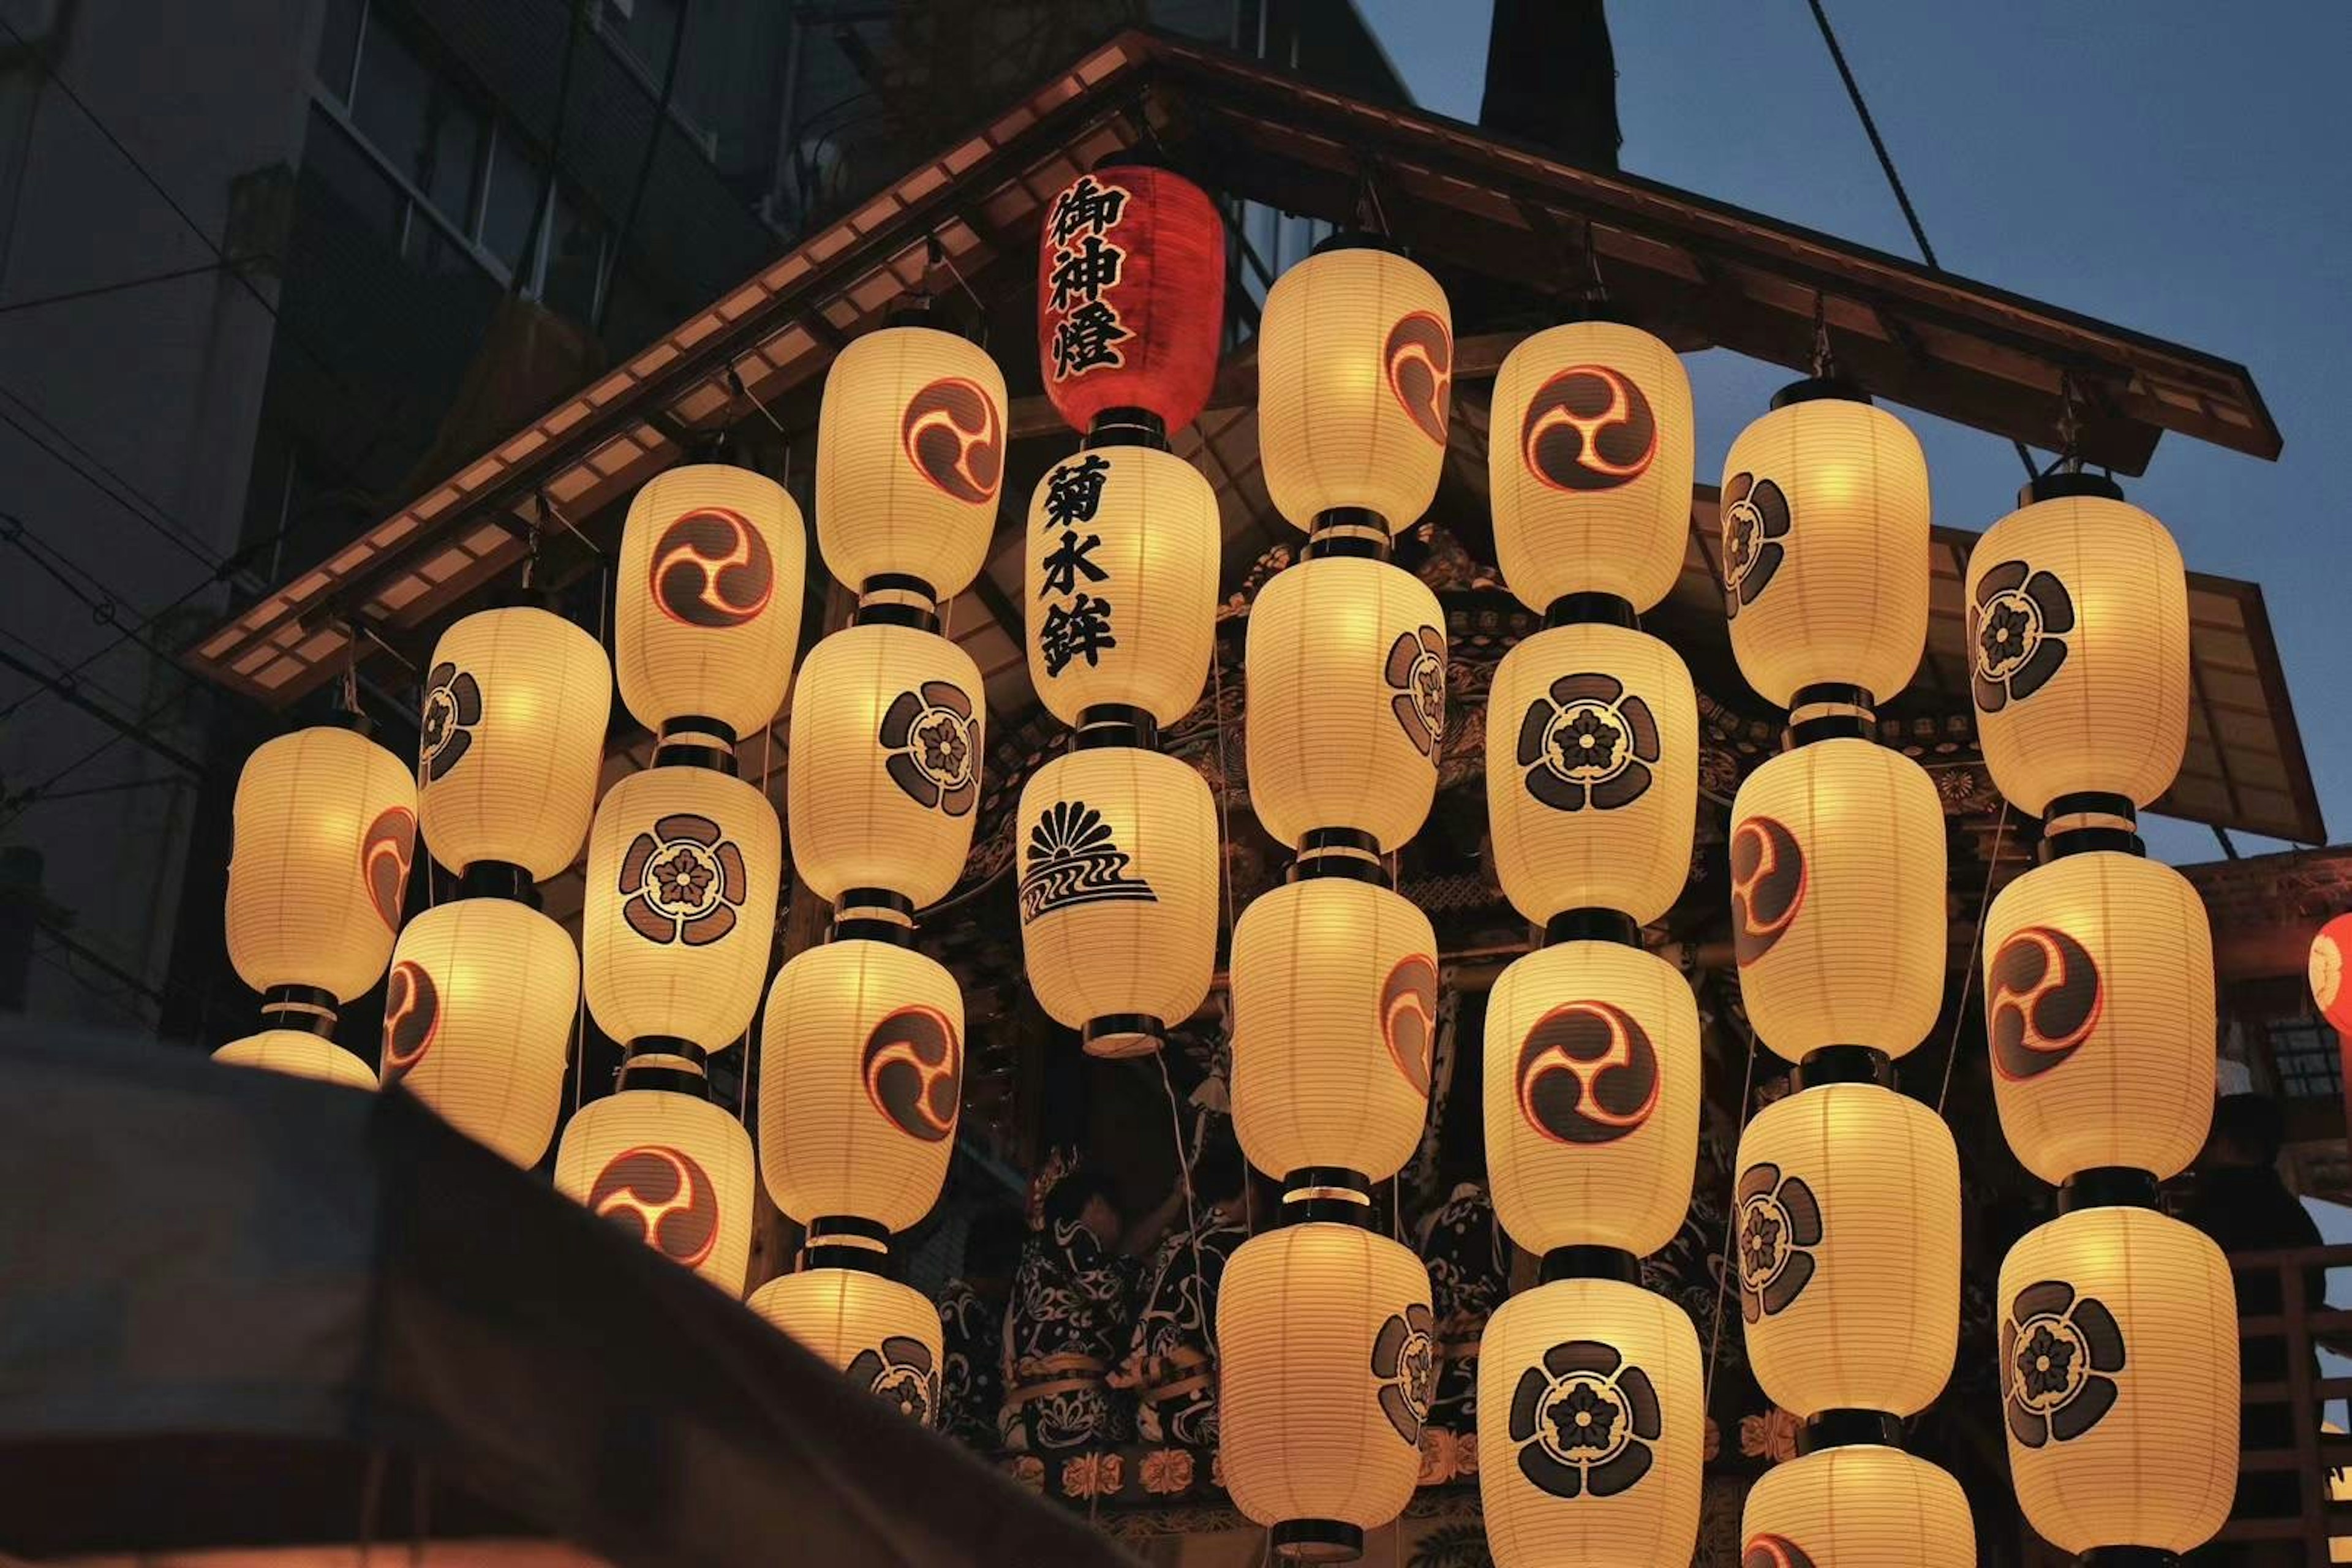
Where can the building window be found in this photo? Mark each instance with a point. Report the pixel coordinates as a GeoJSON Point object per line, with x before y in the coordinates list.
{"type": "Point", "coordinates": [2308, 1057]}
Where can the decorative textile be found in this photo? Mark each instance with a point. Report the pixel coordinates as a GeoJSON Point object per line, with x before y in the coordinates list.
{"type": "Point", "coordinates": [1171, 1362]}
{"type": "Point", "coordinates": [971, 1334]}
{"type": "Point", "coordinates": [1469, 1264]}
{"type": "Point", "coordinates": [1073, 1304]}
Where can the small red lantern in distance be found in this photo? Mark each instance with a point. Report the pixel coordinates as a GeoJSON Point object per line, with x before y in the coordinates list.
{"type": "Point", "coordinates": [2331, 988]}
{"type": "Point", "coordinates": [1130, 292]}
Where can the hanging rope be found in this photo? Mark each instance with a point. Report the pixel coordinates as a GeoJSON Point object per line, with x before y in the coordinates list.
{"type": "Point", "coordinates": [1968, 966]}
{"type": "Point", "coordinates": [1724, 1263]}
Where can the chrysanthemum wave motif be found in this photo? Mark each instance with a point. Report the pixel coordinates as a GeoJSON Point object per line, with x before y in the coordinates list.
{"type": "Point", "coordinates": [1073, 859]}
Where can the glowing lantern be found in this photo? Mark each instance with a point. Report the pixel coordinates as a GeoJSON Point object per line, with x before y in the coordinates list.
{"type": "Point", "coordinates": [1124, 547]}
{"type": "Point", "coordinates": [683, 866]}
{"type": "Point", "coordinates": [1130, 296]}
{"type": "Point", "coordinates": [298, 1053]}
{"type": "Point", "coordinates": [2119, 1381]}
{"type": "Point", "coordinates": [477, 1020]}
{"type": "Point", "coordinates": [1589, 465]}
{"type": "Point", "coordinates": [1346, 663]}
{"type": "Point", "coordinates": [1590, 1426]}
{"type": "Point", "coordinates": [1848, 1239]}
{"type": "Point", "coordinates": [1355, 364]}
{"type": "Point", "coordinates": [706, 607]}
{"type": "Point", "coordinates": [1824, 548]}
{"type": "Point", "coordinates": [512, 735]}
{"type": "Point", "coordinates": [1327, 1360]}
{"type": "Point", "coordinates": [1592, 1095]}
{"type": "Point", "coordinates": [1117, 862]}
{"type": "Point", "coordinates": [861, 1080]}
{"type": "Point", "coordinates": [1335, 1017]}
{"type": "Point", "coordinates": [1837, 899]}
{"type": "Point", "coordinates": [2099, 1005]}
{"type": "Point", "coordinates": [2078, 635]}
{"type": "Point", "coordinates": [1859, 1507]}
{"type": "Point", "coordinates": [883, 777]}
{"type": "Point", "coordinates": [318, 872]}
{"type": "Point", "coordinates": [1592, 772]}
{"type": "Point", "coordinates": [909, 457]}
{"type": "Point", "coordinates": [883, 1336]}
{"type": "Point", "coordinates": [2327, 988]}
{"type": "Point", "coordinates": [670, 1169]}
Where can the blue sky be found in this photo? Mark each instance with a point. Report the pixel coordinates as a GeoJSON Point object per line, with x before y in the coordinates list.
{"type": "Point", "coordinates": [2187, 174]}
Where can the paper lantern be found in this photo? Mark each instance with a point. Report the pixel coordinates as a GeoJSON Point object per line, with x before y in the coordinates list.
{"type": "Point", "coordinates": [1848, 1231]}
{"type": "Point", "coordinates": [1327, 1360]}
{"type": "Point", "coordinates": [883, 1336]}
{"type": "Point", "coordinates": [671, 1170]}
{"type": "Point", "coordinates": [1335, 1018]}
{"type": "Point", "coordinates": [1123, 555]}
{"type": "Point", "coordinates": [909, 456]}
{"type": "Point", "coordinates": [1119, 864]}
{"type": "Point", "coordinates": [706, 606]}
{"type": "Point", "coordinates": [2098, 1002]}
{"type": "Point", "coordinates": [1859, 1507]}
{"type": "Point", "coordinates": [1346, 663]}
{"type": "Point", "coordinates": [861, 1081]}
{"type": "Point", "coordinates": [478, 1019]}
{"type": "Point", "coordinates": [680, 905]}
{"type": "Point", "coordinates": [2078, 635]}
{"type": "Point", "coordinates": [2327, 988]}
{"type": "Point", "coordinates": [511, 739]}
{"type": "Point", "coordinates": [1355, 369]}
{"type": "Point", "coordinates": [1130, 295]}
{"type": "Point", "coordinates": [2119, 1381]}
{"type": "Point", "coordinates": [1824, 548]}
{"type": "Point", "coordinates": [1592, 1097]}
{"type": "Point", "coordinates": [1591, 1427]}
{"type": "Point", "coordinates": [318, 871]}
{"type": "Point", "coordinates": [298, 1053]}
{"type": "Point", "coordinates": [883, 775]}
{"type": "Point", "coordinates": [1837, 899]}
{"type": "Point", "coordinates": [1592, 772]}
{"type": "Point", "coordinates": [1589, 465]}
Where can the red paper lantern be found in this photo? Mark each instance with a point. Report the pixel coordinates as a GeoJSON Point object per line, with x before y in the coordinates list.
{"type": "Point", "coordinates": [2330, 987]}
{"type": "Point", "coordinates": [1130, 293]}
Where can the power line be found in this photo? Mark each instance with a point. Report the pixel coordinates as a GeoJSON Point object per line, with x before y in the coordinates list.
{"type": "Point", "coordinates": [121, 726]}
{"type": "Point", "coordinates": [105, 608]}
{"type": "Point", "coordinates": [148, 512]}
{"type": "Point", "coordinates": [95, 290]}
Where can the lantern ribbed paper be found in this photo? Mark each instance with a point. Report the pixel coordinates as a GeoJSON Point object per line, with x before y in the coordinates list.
{"type": "Point", "coordinates": [2078, 642]}
{"type": "Point", "coordinates": [1118, 867]}
{"type": "Point", "coordinates": [298, 1053]}
{"type": "Point", "coordinates": [1592, 772]}
{"type": "Point", "coordinates": [706, 606]}
{"type": "Point", "coordinates": [861, 1079]}
{"type": "Point", "coordinates": [1859, 1507]}
{"type": "Point", "coordinates": [680, 905]}
{"type": "Point", "coordinates": [883, 1336]}
{"type": "Point", "coordinates": [1124, 546]}
{"type": "Point", "coordinates": [909, 457]}
{"type": "Point", "coordinates": [1335, 1017]}
{"type": "Point", "coordinates": [1327, 1360]}
{"type": "Point", "coordinates": [1837, 899]}
{"type": "Point", "coordinates": [516, 703]}
{"type": "Point", "coordinates": [1591, 1427]}
{"type": "Point", "coordinates": [2328, 949]}
{"type": "Point", "coordinates": [2098, 1000]}
{"type": "Point", "coordinates": [2119, 1380]}
{"type": "Point", "coordinates": [672, 1171]}
{"type": "Point", "coordinates": [883, 775]}
{"type": "Point", "coordinates": [1355, 366]}
{"type": "Point", "coordinates": [1592, 1097]}
{"type": "Point", "coordinates": [477, 1020]}
{"type": "Point", "coordinates": [1848, 1237]}
{"type": "Point", "coordinates": [1345, 665]}
{"type": "Point", "coordinates": [1589, 465]}
{"type": "Point", "coordinates": [318, 872]}
{"type": "Point", "coordinates": [1824, 548]}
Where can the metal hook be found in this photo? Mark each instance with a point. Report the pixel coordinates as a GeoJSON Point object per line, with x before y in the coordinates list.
{"type": "Point", "coordinates": [2069, 423]}
{"type": "Point", "coordinates": [1825, 361]}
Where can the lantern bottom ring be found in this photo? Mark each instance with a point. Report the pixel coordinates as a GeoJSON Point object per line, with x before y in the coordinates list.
{"type": "Point", "coordinates": [1590, 608]}
{"type": "Point", "coordinates": [1585, 1261]}
{"type": "Point", "coordinates": [305, 1007]}
{"type": "Point", "coordinates": [1318, 1540]}
{"type": "Point", "coordinates": [2108, 1187]}
{"type": "Point", "coordinates": [1126, 425]}
{"type": "Point", "coordinates": [1592, 924]}
{"type": "Point", "coordinates": [1116, 1034]}
{"type": "Point", "coordinates": [2129, 1557]}
{"type": "Point", "coordinates": [1849, 1428]}
{"type": "Point", "coordinates": [1845, 1064]}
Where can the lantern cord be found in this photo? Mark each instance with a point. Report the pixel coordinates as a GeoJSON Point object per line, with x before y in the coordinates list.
{"type": "Point", "coordinates": [1969, 969]}
{"type": "Point", "coordinates": [1191, 1221]}
{"type": "Point", "coordinates": [1825, 361]}
{"type": "Point", "coordinates": [548, 509]}
{"type": "Point", "coordinates": [939, 257]}
{"type": "Point", "coordinates": [1225, 798]}
{"type": "Point", "coordinates": [735, 384]}
{"type": "Point", "coordinates": [1724, 1264]}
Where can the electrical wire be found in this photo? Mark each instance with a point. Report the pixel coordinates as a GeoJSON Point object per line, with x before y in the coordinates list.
{"type": "Point", "coordinates": [146, 513]}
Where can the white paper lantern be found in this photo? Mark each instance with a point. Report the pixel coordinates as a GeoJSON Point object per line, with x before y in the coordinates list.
{"type": "Point", "coordinates": [1592, 772]}
{"type": "Point", "coordinates": [298, 1053]}
{"type": "Point", "coordinates": [1824, 548]}
{"type": "Point", "coordinates": [1589, 465]}
{"type": "Point", "coordinates": [672, 1171]}
{"type": "Point", "coordinates": [1591, 1097]}
{"type": "Point", "coordinates": [1346, 665]}
{"type": "Point", "coordinates": [1848, 1239]}
{"type": "Point", "coordinates": [680, 910]}
{"type": "Point", "coordinates": [1859, 1507]}
{"type": "Point", "coordinates": [1591, 1427]}
{"type": "Point", "coordinates": [707, 604]}
{"type": "Point", "coordinates": [884, 1337]}
{"type": "Point", "coordinates": [1355, 365]}
{"type": "Point", "coordinates": [884, 769]}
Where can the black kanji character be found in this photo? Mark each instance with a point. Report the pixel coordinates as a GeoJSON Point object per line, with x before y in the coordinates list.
{"type": "Point", "coordinates": [1084, 339]}
{"type": "Point", "coordinates": [1073, 491]}
{"type": "Point", "coordinates": [1087, 205]}
{"type": "Point", "coordinates": [1081, 628]}
{"type": "Point", "coordinates": [1068, 560]}
{"type": "Point", "coordinates": [1083, 274]}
